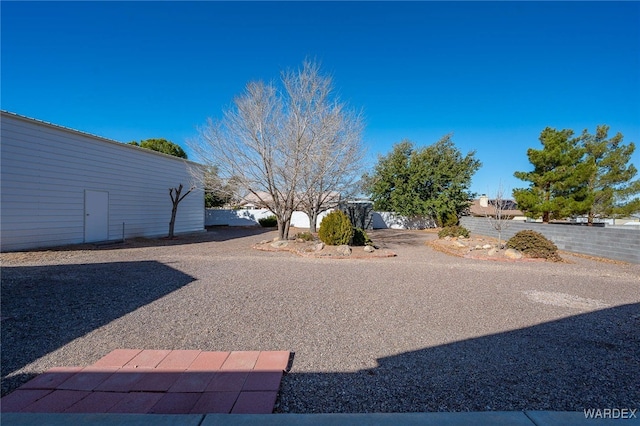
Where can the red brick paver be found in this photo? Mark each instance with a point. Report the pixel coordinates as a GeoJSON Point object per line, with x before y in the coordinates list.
{"type": "Point", "coordinates": [178, 360]}
{"type": "Point", "coordinates": [137, 402]}
{"type": "Point", "coordinates": [176, 403]}
{"type": "Point", "coordinates": [124, 381]}
{"type": "Point", "coordinates": [20, 399]}
{"type": "Point", "coordinates": [97, 402]}
{"type": "Point", "coordinates": [241, 360]}
{"type": "Point", "coordinates": [263, 381]}
{"type": "Point", "coordinates": [157, 381]}
{"type": "Point", "coordinates": [117, 358]}
{"type": "Point", "coordinates": [56, 402]}
{"type": "Point", "coordinates": [255, 403]}
{"type": "Point", "coordinates": [51, 378]}
{"type": "Point", "coordinates": [215, 402]}
{"type": "Point", "coordinates": [193, 381]}
{"type": "Point", "coordinates": [272, 361]}
{"type": "Point", "coordinates": [88, 378]}
{"type": "Point", "coordinates": [147, 359]}
{"type": "Point", "coordinates": [209, 361]}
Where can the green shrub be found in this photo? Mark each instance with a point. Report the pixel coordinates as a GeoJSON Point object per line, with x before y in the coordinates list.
{"type": "Point", "coordinates": [335, 229]}
{"type": "Point", "coordinates": [534, 244]}
{"type": "Point", "coordinates": [360, 238]}
{"type": "Point", "coordinates": [268, 222]}
{"type": "Point", "coordinates": [453, 231]}
{"type": "Point", "coordinates": [448, 220]}
{"type": "Point", "coordinates": [305, 236]}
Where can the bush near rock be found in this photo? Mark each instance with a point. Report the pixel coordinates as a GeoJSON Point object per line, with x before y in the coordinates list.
{"type": "Point", "coordinates": [335, 229]}
{"type": "Point", "coordinates": [360, 238]}
{"type": "Point", "coordinates": [304, 236]}
{"type": "Point", "coordinates": [534, 244]}
{"type": "Point", "coordinates": [268, 222]}
{"type": "Point", "coordinates": [453, 231]}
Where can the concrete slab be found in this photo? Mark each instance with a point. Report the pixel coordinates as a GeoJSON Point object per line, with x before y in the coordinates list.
{"type": "Point", "coordinates": [529, 418]}
{"type": "Point", "coordinates": [30, 419]}
{"type": "Point", "coordinates": [378, 419]}
{"type": "Point", "coordinates": [569, 418]}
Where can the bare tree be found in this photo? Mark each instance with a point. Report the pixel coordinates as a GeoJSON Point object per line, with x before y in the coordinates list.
{"type": "Point", "coordinates": [270, 138]}
{"type": "Point", "coordinates": [174, 193]}
{"type": "Point", "coordinates": [336, 151]}
{"type": "Point", "coordinates": [497, 213]}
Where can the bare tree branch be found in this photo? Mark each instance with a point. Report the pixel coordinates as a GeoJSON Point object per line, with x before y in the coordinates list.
{"type": "Point", "coordinates": [290, 147]}
{"type": "Point", "coordinates": [496, 213]}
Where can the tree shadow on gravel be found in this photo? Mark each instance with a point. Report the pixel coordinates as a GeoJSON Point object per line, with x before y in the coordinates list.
{"type": "Point", "coordinates": [584, 361]}
{"type": "Point", "coordinates": [213, 233]}
{"type": "Point", "coordinates": [225, 233]}
{"type": "Point", "coordinates": [46, 307]}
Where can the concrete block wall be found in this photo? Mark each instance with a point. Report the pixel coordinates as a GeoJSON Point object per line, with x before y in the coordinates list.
{"type": "Point", "coordinates": [612, 243]}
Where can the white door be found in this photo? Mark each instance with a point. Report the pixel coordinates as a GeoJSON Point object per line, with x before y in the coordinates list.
{"type": "Point", "coordinates": [96, 216]}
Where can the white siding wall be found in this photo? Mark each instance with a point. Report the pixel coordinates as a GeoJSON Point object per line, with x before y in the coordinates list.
{"type": "Point", "coordinates": [46, 170]}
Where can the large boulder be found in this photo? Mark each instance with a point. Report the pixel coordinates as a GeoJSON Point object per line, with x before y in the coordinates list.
{"type": "Point", "coordinates": [279, 244]}
{"type": "Point", "coordinates": [512, 254]}
{"type": "Point", "coordinates": [343, 250]}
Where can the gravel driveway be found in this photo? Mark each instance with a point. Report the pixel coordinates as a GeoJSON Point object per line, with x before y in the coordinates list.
{"type": "Point", "coordinates": [422, 331]}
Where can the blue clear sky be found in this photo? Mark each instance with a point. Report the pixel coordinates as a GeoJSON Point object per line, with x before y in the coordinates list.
{"type": "Point", "coordinates": [495, 74]}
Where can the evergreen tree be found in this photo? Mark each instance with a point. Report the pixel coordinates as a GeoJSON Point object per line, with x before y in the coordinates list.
{"type": "Point", "coordinates": [611, 185]}
{"type": "Point", "coordinates": [161, 145]}
{"type": "Point", "coordinates": [559, 181]}
{"type": "Point", "coordinates": [429, 182]}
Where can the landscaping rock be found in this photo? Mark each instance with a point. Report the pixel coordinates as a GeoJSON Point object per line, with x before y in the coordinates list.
{"type": "Point", "coordinates": [318, 246]}
{"type": "Point", "coordinates": [492, 252]}
{"type": "Point", "coordinates": [369, 249]}
{"type": "Point", "coordinates": [513, 254]}
{"type": "Point", "coordinates": [460, 244]}
{"type": "Point", "coordinates": [279, 244]}
{"type": "Point", "coordinates": [343, 250]}
{"type": "Point", "coordinates": [487, 246]}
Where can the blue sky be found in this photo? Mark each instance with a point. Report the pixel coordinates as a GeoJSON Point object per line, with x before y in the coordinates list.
{"type": "Point", "coordinates": [492, 73]}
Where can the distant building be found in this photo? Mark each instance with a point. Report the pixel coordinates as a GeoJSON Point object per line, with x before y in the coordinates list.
{"type": "Point", "coordinates": [484, 206]}
{"type": "Point", "coordinates": [260, 199]}
{"type": "Point", "coordinates": [62, 186]}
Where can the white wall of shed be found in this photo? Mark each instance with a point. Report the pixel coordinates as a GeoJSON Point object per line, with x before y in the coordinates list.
{"type": "Point", "coordinates": [46, 170]}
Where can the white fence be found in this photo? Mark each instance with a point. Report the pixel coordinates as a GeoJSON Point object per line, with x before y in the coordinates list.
{"type": "Point", "coordinates": [383, 220]}
{"type": "Point", "coordinates": [250, 217]}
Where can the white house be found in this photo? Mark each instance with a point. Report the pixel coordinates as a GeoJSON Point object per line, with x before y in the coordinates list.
{"type": "Point", "coordinates": [62, 186]}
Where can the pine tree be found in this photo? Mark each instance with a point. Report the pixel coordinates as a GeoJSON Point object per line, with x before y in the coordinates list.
{"type": "Point", "coordinates": [559, 181]}
{"type": "Point", "coordinates": [610, 184]}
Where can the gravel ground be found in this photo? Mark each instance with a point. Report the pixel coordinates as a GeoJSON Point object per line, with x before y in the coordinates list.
{"type": "Point", "coordinates": [423, 331]}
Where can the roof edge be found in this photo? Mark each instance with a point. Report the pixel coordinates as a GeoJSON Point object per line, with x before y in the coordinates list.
{"type": "Point", "coordinates": [91, 135]}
